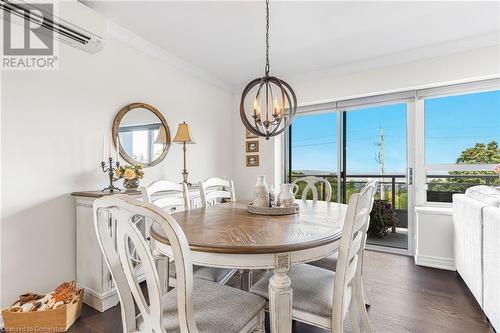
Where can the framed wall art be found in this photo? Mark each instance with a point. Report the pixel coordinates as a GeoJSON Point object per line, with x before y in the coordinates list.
{"type": "Point", "coordinates": [252, 160]}
{"type": "Point", "coordinates": [252, 146]}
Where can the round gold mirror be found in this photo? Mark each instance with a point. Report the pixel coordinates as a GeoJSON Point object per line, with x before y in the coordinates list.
{"type": "Point", "coordinates": [142, 134]}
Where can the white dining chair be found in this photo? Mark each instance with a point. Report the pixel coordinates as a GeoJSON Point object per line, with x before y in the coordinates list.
{"type": "Point", "coordinates": [195, 305]}
{"type": "Point", "coordinates": [214, 190]}
{"type": "Point", "coordinates": [330, 262]}
{"type": "Point", "coordinates": [311, 182]}
{"type": "Point", "coordinates": [173, 197]}
{"type": "Point", "coordinates": [324, 298]}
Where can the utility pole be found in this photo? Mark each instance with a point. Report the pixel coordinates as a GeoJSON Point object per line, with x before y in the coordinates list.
{"type": "Point", "coordinates": [380, 160]}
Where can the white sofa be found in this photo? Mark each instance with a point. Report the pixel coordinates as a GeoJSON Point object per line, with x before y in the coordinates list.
{"type": "Point", "coordinates": [491, 265]}
{"type": "Point", "coordinates": [476, 220]}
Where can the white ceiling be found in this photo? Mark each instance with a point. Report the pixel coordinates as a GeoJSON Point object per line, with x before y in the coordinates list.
{"type": "Point", "coordinates": [226, 39]}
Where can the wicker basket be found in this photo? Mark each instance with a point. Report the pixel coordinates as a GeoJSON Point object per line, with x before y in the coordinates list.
{"type": "Point", "coordinates": [273, 211]}
{"type": "Point", "coordinates": [50, 321]}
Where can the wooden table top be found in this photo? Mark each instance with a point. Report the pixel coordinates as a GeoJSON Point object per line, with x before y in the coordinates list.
{"type": "Point", "coordinates": [229, 228]}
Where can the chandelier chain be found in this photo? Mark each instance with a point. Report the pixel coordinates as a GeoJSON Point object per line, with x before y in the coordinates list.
{"type": "Point", "coordinates": [277, 111]}
{"type": "Point", "coordinates": [267, 37]}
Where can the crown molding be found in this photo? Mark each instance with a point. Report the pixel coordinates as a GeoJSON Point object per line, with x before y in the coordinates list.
{"type": "Point", "coordinates": [132, 39]}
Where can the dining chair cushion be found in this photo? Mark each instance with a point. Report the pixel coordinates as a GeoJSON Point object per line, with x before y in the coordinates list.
{"type": "Point", "coordinates": [202, 272]}
{"type": "Point", "coordinates": [217, 308]}
{"type": "Point", "coordinates": [329, 263]}
{"type": "Point", "coordinates": [312, 289]}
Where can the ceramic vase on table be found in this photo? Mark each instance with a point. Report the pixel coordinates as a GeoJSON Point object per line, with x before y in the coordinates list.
{"type": "Point", "coordinates": [286, 198]}
{"type": "Point", "coordinates": [261, 193]}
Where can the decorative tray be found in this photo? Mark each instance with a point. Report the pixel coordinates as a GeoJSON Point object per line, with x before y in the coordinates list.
{"type": "Point", "coordinates": [273, 210]}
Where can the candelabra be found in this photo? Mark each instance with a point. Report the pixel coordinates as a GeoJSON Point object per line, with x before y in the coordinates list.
{"type": "Point", "coordinates": [110, 170]}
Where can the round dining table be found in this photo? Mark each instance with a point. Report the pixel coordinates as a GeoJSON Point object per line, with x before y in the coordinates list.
{"type": "Point", "coordinates": [228, 236]}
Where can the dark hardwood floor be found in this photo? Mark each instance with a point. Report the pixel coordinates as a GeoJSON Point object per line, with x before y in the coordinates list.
{"type": "Point", "coordinates": [404, 298]}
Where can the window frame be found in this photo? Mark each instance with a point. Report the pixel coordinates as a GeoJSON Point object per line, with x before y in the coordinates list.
{"type": "Point", "coordinates": [417, 180]}
{"type": "Point", "coordinates": [150, 128]}
{"type": "Point", "coordinates": [421, 167]}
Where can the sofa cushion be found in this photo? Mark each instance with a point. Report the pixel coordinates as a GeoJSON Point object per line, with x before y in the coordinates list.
{"type": "Point", "coordinates": [468, 242]}
{"type": "Point", "coordinates": [486, 194]}
{"type": "Point", "coordinates": [491, 270]}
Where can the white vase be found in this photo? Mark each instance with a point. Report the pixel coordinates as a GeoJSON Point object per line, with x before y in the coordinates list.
{"type": "Point", "coordinates": [286, 198]}
{"type": "Point", "coordinates": [261, 193]}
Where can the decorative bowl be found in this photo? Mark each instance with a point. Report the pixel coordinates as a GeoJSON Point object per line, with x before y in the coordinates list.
{"type": "Point", "coordinates": [273, 211]}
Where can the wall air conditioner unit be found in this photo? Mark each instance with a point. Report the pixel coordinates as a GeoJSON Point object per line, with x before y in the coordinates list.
{"type": "Point", "coordinates": [71, 22]}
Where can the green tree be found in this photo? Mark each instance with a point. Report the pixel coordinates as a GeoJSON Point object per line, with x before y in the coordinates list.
{"type": "Point", "coordinates": [480, 153]}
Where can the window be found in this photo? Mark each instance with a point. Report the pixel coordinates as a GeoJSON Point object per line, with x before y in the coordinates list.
{"type": "Point", "coordinates": [139, 142]}
{"type": "Point", "coordinates": [421, 145]}
{"type": "Point", "coordinates": [373, 146]}
{"type": "Point", "coordinates": [314, 144]}
{"type": "Point", "coordinates": [462, 136]}
{"type": "Point", "coordinates": [314, 149]}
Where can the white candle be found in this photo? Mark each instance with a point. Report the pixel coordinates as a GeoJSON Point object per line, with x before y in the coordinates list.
{"type": "Point", "coordinates": [117, 149]}
{"type": "Point", "coordinates": [110, 140]}
{"type": "Point", "coordinates": [103, 156]}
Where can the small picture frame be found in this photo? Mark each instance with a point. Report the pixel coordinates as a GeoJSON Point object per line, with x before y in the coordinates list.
{"type": "Point", "coordinates": [250, 135]}
{"type": "Point", "coordinates": [252, 160]}
{"type": "Point", "coordinates": [252, 146]}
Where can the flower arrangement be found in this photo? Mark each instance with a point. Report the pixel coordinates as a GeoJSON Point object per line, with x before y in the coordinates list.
{"type": "Point", "coordinates": [130, 174]}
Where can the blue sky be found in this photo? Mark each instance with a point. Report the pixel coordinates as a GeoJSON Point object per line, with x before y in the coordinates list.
{"type": "Point", "coordinates": [451, 124]}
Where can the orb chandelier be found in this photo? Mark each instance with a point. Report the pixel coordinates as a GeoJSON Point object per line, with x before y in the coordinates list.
{"type": "Point", "coordinates": [274, 106]}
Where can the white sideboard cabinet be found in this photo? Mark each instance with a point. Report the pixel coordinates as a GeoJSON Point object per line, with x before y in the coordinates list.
{"type": "Point", "coordinates": [92, 274]}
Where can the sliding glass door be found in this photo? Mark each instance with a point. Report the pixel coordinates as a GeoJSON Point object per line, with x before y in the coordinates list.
{"type": "Point", "coordinates": [351, 145]}
{"type": "Point", "coordinates": [375, 139]}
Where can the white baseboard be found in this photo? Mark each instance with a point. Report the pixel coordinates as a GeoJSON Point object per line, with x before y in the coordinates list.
{"type": "Point", "coordinates": [435, 262]}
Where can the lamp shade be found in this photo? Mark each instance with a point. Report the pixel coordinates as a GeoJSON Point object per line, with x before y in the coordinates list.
{"type": "Point", "coordinates": [161, 138]}
{"type": "Point", "coordinates": [183, 134]}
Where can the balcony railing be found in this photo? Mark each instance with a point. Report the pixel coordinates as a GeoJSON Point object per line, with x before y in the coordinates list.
{"type": "Point", "coordinates": [440, 188]}
{"type": "Point", "coordinates": [393, 186]}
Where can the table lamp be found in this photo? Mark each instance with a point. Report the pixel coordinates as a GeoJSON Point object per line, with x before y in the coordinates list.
{"type": "Point", "coordinates": [184, 136]}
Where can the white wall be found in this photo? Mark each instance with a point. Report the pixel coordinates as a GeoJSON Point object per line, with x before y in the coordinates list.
{"type": "Point", "coordinates": [436, 71]}
{"type": "Point", "coordinates": [52, 126]}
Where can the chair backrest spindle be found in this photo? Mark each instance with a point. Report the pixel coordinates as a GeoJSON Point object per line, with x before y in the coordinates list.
{"type": "Point", "coordinates": [350, 254]}
{"type": "Point", "coordinates": [311, 182]}
{"type": "Point", "coordinates": [121, 209]}
{"type": "Point", "coordinates": [167, 195]}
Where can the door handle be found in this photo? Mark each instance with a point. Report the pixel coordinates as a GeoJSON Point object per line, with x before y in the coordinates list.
{"type": "Point", "coordinates": [409, 176]}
